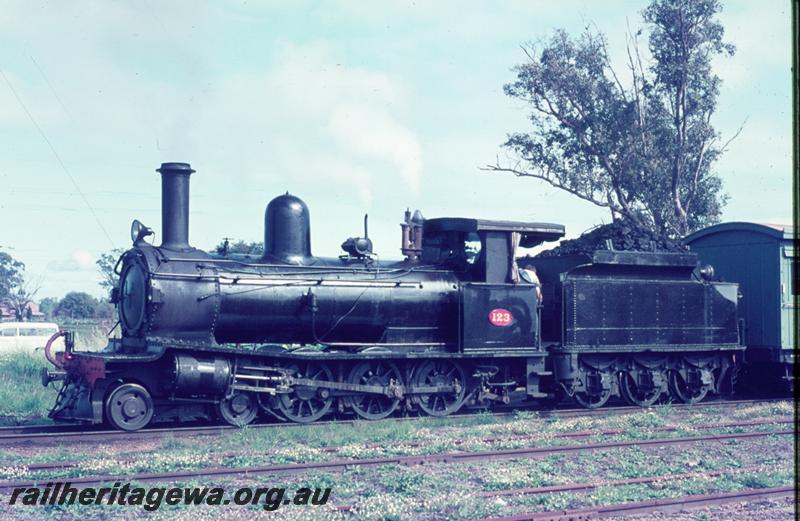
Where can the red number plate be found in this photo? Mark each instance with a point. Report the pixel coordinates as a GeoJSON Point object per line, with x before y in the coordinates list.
{"type": "Point", "coordinates": [501, 317]}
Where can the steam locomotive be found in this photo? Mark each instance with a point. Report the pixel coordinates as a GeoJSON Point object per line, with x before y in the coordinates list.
{"type": "Point", "coordinates": [459, 321]}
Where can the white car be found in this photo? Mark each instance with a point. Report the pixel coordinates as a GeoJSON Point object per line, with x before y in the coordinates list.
{"type": "Point", "coordinates": [30, 337]}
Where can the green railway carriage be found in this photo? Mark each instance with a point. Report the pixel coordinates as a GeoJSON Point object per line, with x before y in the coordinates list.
{"type": "Point", "coordinates": [761, 258]}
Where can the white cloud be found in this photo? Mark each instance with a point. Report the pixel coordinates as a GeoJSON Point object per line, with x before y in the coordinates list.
{"type": "Point", "coordinates": [80, 260]}
{"type": "Point", "coordinates": [312, 77]}
{"type": "Point", "coordinates": [363, 131]}
{"type": "Point", "coordinates": [258, 123]}
{"type": "Point", "coordinates": [345, 172]}
{"type": "Point", "coordinates": [308, 111]}
{"type": "Point", "coordinates": [84, 259]}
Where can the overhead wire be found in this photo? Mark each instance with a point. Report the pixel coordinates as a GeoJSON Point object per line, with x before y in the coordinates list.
{"type": "Point", "coordinates": [58, 158]}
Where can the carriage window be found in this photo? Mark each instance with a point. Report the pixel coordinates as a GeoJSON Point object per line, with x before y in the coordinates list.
{"type": "Point", "coordinates": [472, 247]}
{"type": "Point", "coordinates": [9, 332]}
{"type": "Point", "coordinates": [33, 331]}
{"type": "Point", "coordinates": [788, 253]}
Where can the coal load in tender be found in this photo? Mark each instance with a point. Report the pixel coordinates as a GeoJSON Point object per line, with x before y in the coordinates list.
{"type": "Point", "coordinates": [621, 237]}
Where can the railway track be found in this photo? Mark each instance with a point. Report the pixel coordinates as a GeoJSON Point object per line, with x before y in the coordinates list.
{"type": "Point", "coordinates": [622, 508]}
{"type": "Point", "coordinates": [677, 504]}
{"type": "Point", "coordinates": [62, 465]}
{"type": "Point", "coordinates": [47, 434]}
{"type": "Point", "coordinates": [444, 458]}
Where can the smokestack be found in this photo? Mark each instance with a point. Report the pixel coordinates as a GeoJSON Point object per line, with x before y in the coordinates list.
{"type": "Point", "coordinates": [175, 205]}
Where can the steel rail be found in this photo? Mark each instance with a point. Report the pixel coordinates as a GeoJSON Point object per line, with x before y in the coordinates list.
{"type": "Point", "coordinates": [585, 487]}
{"type": "Point", "coordinates": [495, 439]}
{"type": "Point", "coordinates": [444, 458]}
{"type": "Point", "coordinates": [658, 505]}
{"type": "Point", "coordinates": [45, 434]}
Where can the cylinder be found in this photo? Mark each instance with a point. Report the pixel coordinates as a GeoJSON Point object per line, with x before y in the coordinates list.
{"type": "Point", "coordinates": [200, 376]}
{"type": "Point", "coordinates": [175, 205]}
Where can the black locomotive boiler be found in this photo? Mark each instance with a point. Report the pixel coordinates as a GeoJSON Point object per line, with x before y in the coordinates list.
{"type": "Point", "coordinates": [457, 322]}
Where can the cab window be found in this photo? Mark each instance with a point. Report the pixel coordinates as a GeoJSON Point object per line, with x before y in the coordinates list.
{"type": "Point", "coordinates": [443, 248]}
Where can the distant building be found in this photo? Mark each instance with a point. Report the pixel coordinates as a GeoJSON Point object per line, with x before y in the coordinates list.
{"type": "Point", "coordinates": [7, 313]}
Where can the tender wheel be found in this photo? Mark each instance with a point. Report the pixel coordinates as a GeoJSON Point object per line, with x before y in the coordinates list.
{"type": "Point", "coordinates": [380, 373]}
{"type": "Point", "coordinates": [440, 373]}
{"type": "Point", "coordinates": [684, 392]}
{"type": "Point", "coordinates": [238, 410]}
{"type": "Point", "coordinates": [634, 395]}
{"type": "Point", "coordinates": [592, 401]}
{"type": "Point", "coordinates": [129, 407]}
{"type": "Point", "coordinates": [306, 404]}
{"type": "Point", "coordinates": [595, 395]}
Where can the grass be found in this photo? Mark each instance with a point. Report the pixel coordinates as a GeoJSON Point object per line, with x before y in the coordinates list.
{"type": "Point", "coordinates": [399, 492]}
{"type": "Point", "coordinates": [366, 439]}
{"type": "Point", "coordinates": [90, 335]}
{"type": "Point", "coordinates": [22, 396]}
{"type": "Point", "coordinates": [23, 399]}
{"type": "Point", "coordinates": [449, 492]}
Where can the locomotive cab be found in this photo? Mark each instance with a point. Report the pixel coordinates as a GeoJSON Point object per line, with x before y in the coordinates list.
{"type": "Point", "coordinates": [499, 310]}
{"type": "Point", "coordinates": [486, 250]}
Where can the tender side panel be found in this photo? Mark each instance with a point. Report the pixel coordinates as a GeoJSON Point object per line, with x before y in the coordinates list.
{"type": "Point", "coordinates": [605, 313]}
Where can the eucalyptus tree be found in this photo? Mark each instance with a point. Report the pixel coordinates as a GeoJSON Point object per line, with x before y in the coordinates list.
{"type": "Point", "coordinates": [641, 143]}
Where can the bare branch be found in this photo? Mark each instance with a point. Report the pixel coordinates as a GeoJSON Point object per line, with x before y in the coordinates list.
{"type": "Point", "coordinates": [20, 298]}
{"type": "Point", "coordinates": [550, 181]}
{"type": "Point", "coordinates": [607, 60]}
{"type": "Point", "coordinates": [724, 146]}
{"type": "Point", "coordinates": [527, 53]}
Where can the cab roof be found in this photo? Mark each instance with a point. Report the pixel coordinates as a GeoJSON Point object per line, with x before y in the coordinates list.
{"type": "Point", "coordinates": [533, 233]}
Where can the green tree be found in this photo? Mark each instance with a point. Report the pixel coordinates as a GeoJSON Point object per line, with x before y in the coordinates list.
{"type": "Point", "coordinates": [11, 277]}
{"type": "Point", "coordinates": [16, 291]}
{"type": "Point", "coordinates": [20, 297]}
{"type": "Point", "coordinates": [104, 309]}
{"type": "Point", "coordinates": [48, 306]}
{"type": "Point", "coordinates": [76, 304]}
{"type": "Point", "coordinates": [225, 247]}
{"type": "Point", "coordinates": [106, 264]}
{"type": "Point", "coordinates": [643, 148]}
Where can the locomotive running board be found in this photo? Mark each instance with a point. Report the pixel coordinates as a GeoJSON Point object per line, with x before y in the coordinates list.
{"type": "Point", "coordinates": [284, 383]}
{"type": "Point", "coordinates": [395, 391]}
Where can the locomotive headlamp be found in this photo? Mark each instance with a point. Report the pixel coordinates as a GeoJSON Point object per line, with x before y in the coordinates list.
{"type": "Point", "coordinates": [139, 231]}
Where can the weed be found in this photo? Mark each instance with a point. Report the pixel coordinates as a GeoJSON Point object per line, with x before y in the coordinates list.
{"type": "Point", "coordinates": [22, 395]}
{"type": "Point", "coordinates": [405, 481]}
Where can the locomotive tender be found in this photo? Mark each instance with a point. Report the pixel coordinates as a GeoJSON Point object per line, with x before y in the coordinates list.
{"type": "Point", "coordinates": [457, 322]}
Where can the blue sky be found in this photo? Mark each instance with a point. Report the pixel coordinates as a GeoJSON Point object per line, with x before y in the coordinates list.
{"type": "Point", "coordinates": [354, 106]}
